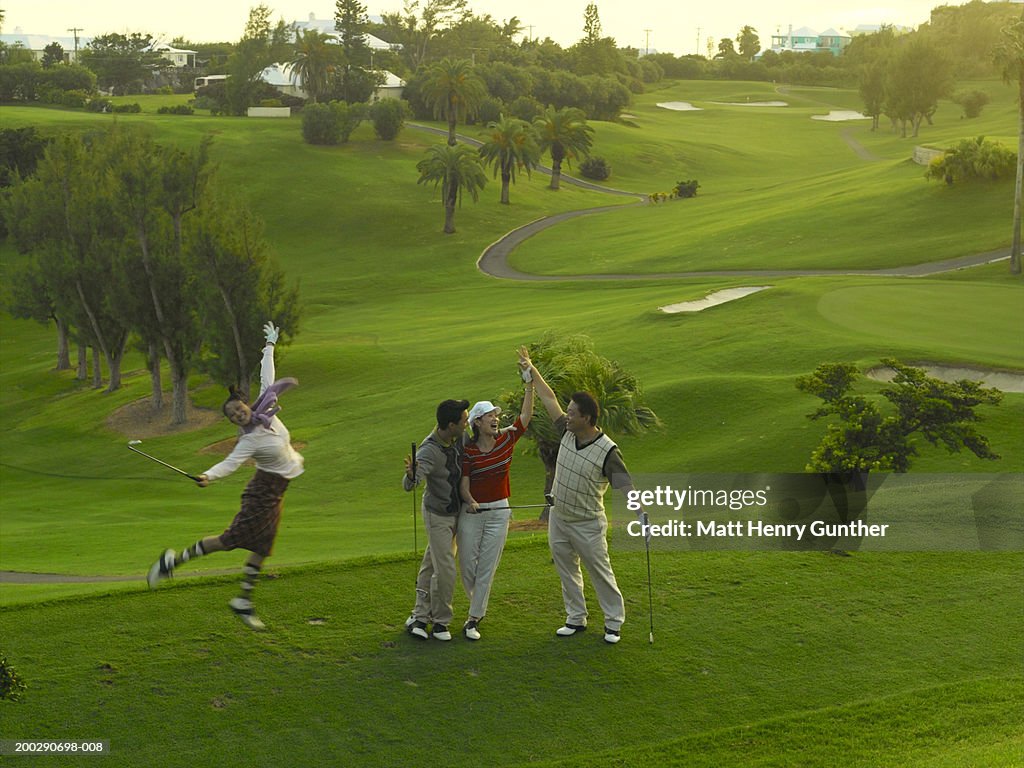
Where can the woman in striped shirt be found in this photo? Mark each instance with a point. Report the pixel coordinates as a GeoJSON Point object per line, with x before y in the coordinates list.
{"type": "Point", "coordinates": [483, 525]}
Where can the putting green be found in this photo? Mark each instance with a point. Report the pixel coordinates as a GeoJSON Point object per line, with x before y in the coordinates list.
{"type": "Point", "coordinates": [972, 322]}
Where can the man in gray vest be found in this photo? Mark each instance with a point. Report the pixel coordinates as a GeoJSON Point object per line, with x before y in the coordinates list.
{"type": "Point", "coordinates": [587, 461]}
{"type": "Point", "coordinates": [439, 465]}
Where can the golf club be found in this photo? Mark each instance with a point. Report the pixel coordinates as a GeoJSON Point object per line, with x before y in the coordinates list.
{"type": "Point", "coordinates": [650, 596]}
{"type": "Point", "coordinates": [131, 447]}
{"type": "Point", "coordinates": [415, 538]}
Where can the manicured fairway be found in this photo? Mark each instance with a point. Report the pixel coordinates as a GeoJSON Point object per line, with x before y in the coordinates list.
{"type": "Point", "coordinates": [762, 658]}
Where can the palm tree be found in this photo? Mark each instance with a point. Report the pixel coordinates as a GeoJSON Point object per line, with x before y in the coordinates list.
{"type": "Point", "coordinates": [569, 364]}
{"type": "Point", "coordinates": [315, 63]}
{"type": "Point", "coordinates": [510, 144]}
{"type": "Point", "coordinates": [456, 170]}
{"type": "Point", "coordinates": [1010, 56]}
{"type": "Point", "coordinates": [564, 133]}
{"type": "Point", "coordinates": [453, 91]}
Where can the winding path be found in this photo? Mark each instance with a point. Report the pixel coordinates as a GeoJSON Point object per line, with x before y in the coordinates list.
{"type": "Point", "coordinates": [494, 259]}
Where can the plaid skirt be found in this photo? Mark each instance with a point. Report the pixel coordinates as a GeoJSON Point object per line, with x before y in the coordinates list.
{"type": "Point", "coordinates": [255, 526]}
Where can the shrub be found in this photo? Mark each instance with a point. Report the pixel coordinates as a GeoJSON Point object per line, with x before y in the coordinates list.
{"type": "Point", "coordinates": [489, 111]}
{"type": "Point", "coordinates": [686, 188]}
{"type": "Point", "coordinates": [271, 103]}
{"type": "Point", "coordinates": [177, 109]}
{"type": "Point", "coordinates": [74, 99]}
{"type": "Point", "coordinates": [595, 168]}
{"type": "Point", "coordinates": [99, 105]}
{"type": "Point", "coordinates": [11, 684]}
{"type": "Point", "coordinates": [388, 117]}
{"type": "Point", "coordinates": [126, 108]}
{"type": "Point", "coordinates": [974, 159]}
{"type": "Point", "coordinates": [971, 102]}
{"type": "Point", "coordinates": [332, 123]}
{"type": "Point", "coordinates": [526, 108]}
{"type": "Point", "coordinates": [165, 90]}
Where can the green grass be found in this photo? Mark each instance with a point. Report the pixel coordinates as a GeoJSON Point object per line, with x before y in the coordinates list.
{"type": "Point", "coordinates": [757, 653]}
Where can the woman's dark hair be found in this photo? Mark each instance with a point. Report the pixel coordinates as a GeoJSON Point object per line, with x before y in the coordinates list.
{"type": "Point", "coordinates": [234, 393]}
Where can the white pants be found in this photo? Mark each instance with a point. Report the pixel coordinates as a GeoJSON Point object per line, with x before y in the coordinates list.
{"type": "Point", "coordinates": [482, 538]}
{"type": "Point", "coordinates": [584, 540]}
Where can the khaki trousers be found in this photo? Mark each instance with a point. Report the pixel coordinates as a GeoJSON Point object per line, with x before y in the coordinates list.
{"type": "Point", "coordinates": [585, 541]}
{"type": "Point", "coordinates": [435, 582]}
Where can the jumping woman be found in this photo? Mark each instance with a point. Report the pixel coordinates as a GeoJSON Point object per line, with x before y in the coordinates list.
{"type": "Point", "coordinates": [265, 439]}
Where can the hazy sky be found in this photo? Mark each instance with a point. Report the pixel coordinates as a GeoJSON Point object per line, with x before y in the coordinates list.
{"type": "Point", "coordinates": [673, 24]}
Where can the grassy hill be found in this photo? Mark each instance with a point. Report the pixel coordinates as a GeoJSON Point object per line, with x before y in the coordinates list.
{"type": "Point", "coordinates": [757, 654]}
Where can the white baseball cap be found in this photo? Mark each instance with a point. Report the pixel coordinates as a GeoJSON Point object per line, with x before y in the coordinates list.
{"type": "Point", "coordinates": [482, 408]}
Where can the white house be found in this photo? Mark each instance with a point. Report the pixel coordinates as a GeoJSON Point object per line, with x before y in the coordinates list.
{"type": "Point", "coordinates": [179, 57]}
{"type": "Point", "coordinates": [326, 26]}
{"type": "Point", "coordinates": [285, 80]}
{"type": "Point", "coordinates": [36, 44]}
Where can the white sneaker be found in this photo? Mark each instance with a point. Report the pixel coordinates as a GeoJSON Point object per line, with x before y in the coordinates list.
{"type": "Point", "coordinates": [440, 632]}
{"type": "Point", "coordinates": [568, 630]}
{"type": "Point", "coordinates": [161, 569]}
{"type": "Point", "coordinates": [611, 636]}
{"type": "Point", "coordinates": [469, 629]}
{"type": "Point", "coordinates": [242, 608]}
{"type": "Point", "coordinates": [417, 629]}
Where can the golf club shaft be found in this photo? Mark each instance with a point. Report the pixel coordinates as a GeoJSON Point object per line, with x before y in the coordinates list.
{"type": "Point", "coordinates": [415, 534]}
{"type": "Point", "coordinates": [164, 463]}
{"type": "Point", "coordinates": [650, 592]}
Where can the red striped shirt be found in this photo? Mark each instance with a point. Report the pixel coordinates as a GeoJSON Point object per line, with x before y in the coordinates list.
{"type": "Point", "coordinates": [488, 472]}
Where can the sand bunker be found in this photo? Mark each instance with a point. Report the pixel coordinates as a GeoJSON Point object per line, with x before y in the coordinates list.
{"type": "Point", "coordinates": [752, 103]}
{"type": "Point", "coordinates": [1001, 380]}
{"type": "Point", "coordinates": [839, 115]}
{"type": "Point", "coordinates": [712, 299]}
{"type": "Point", "coordinates": [679, 106]}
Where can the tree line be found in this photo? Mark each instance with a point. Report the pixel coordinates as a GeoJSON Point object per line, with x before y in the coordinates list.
{"type": "Point", "coordinates": [133, 243]}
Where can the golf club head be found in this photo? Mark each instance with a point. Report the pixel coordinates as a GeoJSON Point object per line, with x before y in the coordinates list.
{"type": "Point", "coordinates": [134, 442]}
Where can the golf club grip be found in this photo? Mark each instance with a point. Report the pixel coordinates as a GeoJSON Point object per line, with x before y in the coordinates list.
{"type": "Point", "coordinates": [413, 455]}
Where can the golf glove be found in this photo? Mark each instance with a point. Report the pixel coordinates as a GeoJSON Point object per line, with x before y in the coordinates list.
{"type": "Point", "coordinates": [527, 375]}
{"type": "Point", "coordinates": [645, 521]}
{"type": "Point", "coordinates": [271, 332]}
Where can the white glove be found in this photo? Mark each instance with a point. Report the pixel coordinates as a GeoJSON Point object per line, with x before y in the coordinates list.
{"type": "Point", "coordinates": [646, 523]}
{"type": "Point", "coordinates": [271, 332]}
{"type": "Point", "coordinates": [527, 375]}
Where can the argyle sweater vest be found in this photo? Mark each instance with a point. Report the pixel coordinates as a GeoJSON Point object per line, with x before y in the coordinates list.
{"type": "Point", "coordinates": [579, 483]}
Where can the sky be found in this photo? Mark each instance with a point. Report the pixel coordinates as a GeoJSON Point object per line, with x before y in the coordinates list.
{"type": "Point", "coordinates": [674, 26]}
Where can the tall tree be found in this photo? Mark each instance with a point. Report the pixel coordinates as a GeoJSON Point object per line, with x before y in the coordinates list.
{"type": "Point", "coordinates": [749, 42]}
{"type": "Point", "coordinates": [591, 24]}
{"type": "Point", "coordinates": [726, 49]}
{"type": "Point", "coordinates": [419, 24]}
{"type": "Point", "coordinates": [316, 62]}
{"type": "Point", "coordinates": [351, 23]}
{"type": "Point", "coordinates": [453, 91]}
{"type": "Point", "coordinates": [1009, 56]}
{"type": "Point", "coordinates": [565, 134]}
{"type": "Point", "coordinates": [241, 287]}
{"type": "Point", "coordinates": [918, 75]}
{"type": "Point", "coordinates": [455, 169]}
{"type": "Point", "coordinates": [509, 145]}
{"type": "Point", "coordinates": [52, 54]}
{"type": "Point", "coordinates": [154, 188]}
{"type": "Point", "coordinates": [122, 63]}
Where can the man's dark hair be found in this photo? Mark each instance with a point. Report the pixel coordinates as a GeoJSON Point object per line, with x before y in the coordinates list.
{"type": "Point", "coordinates": [450, 411]}
{"type": "Point", "coordinates": [587, 405]}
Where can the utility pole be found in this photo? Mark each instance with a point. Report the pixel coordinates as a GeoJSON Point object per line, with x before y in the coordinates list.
{"type": "Point", "coordinates": [647, 45]}
{"type": "Point", "coordinates": [698, 41]}
{"type": "Point", "coordinates": [530, 27]}
{"type": "Point", "coordinates": [75, 31]}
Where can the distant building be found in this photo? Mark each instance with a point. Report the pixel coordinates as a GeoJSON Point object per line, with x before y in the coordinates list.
{"type": "Point", "coordinates": [326, 26]}
{"type": "Point", "coordinates": [285, 80]}
{"type": "Point", "coordinates": [36, 44]}
{"type": "Point", "coordinates": [177, 56]}
{"type": "Point", "coordinates": [806, 40]}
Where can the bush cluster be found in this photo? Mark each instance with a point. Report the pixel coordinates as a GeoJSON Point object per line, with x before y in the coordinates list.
{"type": "Point", "coordinates": [177, 109]}
{"type": "Point", "coordinates": [595, 168]}
{"type": "Point", "coordinates": [333, 123]}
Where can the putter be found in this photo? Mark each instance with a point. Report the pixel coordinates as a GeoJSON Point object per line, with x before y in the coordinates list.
{"type": "Point", "coordinates": [131, 447]}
